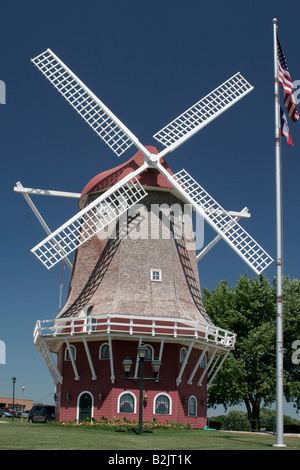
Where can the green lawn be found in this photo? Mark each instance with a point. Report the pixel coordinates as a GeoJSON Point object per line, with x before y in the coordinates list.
{"type": "Point", "coordinates": [19, 435]}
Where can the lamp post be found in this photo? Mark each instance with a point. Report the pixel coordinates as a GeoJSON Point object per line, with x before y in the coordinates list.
{"type": "Point", "coordinates": [142, 349]}
{"type": "Point", "coordinates": [23, 388]}
{"type": "Point", "coordinates": [13, 410]}
{"type": "Point", "coordinates": [127, 363]}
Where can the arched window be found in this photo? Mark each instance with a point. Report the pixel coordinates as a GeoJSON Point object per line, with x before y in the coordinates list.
{"type": "Point", "coordinates": [127, 403]}
{"type": "Point", "coordinates": [91, 321]}
{"type": "Point", "coordinates": [192, 408]}
{"type": "Point", "coordinates": [149, 353]}
{"type": "Point", "coordinates": [162, 404]}
{"type": "Point", "coordinates": [182, 354]}
{"type": "Point", "coordinates": [85, 313]}
{"type": "Point", "coordinates": [89, 310]}
{"type": "Point", "coordinates": [104, 351]}
{"type": "Point", "coordinates": [73, 352]}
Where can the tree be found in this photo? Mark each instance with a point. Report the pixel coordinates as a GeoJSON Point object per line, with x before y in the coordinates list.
{"type": "Point", "coordinates": [291, 322]}
{"type": "Point", "coordinates": [249, 373]}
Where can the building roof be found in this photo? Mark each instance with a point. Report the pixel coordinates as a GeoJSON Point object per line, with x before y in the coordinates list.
{"type": "Point", "coordinates": [150, 177]}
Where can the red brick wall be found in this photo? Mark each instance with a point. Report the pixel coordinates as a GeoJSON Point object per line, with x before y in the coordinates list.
{"type": "Point", "coordinates": [110, 392]}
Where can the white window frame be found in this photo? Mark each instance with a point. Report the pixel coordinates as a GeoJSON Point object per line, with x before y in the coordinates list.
{"type": "Point", "coordinates": [152, 352]}
{"type": "Point", "coordinates": [73, 348]}
{"type": "Point", "coordinates": [190, 398]}
{"type": "Point", "coordinates": [170, 404]}
{"type": "Point", "coordinates": [152, 271]}
{"type": "Point", "coordinates": [181, 360]}
{"type": "Point", "coordinates": [104, 358]}
{"type": "Point", "coordinates": [85, 313]}
{"type": "Point", "coordinates": [127, 392]}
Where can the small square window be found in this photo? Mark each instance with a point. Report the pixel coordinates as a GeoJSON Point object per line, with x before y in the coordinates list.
{"type": "Point", "coordinates": [155, 275]}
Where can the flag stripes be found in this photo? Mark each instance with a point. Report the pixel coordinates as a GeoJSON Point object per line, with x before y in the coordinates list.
{"type": "Point", "coordinates": [285, 80]}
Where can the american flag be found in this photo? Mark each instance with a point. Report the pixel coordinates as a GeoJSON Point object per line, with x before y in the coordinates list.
{"type": "Point", "coordinates": [284, 128]}
{"type": "Point", "coordinates": [285, 81]}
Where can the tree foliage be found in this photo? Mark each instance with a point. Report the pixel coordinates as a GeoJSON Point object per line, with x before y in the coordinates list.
{"type": "Point", "coordinates": [249, 373]}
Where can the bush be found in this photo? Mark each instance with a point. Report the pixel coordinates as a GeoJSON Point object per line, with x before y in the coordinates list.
{"type": "Point", "coordinates": [215, 424]}
{"type": "Point", "coordinates": [291, 428]}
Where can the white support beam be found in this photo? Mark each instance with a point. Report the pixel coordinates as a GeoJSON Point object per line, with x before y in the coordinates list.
{"type": "Point", "coordinates": [243, 214]}
{"type": "Point", "coordinates": [86, 347]}
{"type": "Point", "coordinates": [237, 216]}
{"type": "Point", "coordinates": [111, 359]}
{"type": "Point", "coordinates": [178, 380]}
{"type": "Point", "coordinates": [197, 365]}
{"type": "Point", "coordinates": [38, 216]}
{"type": "Point", "coordinates": [137, 361]}
{"type": "Point", "coordinates": [45, 192]}
{"type": "Point", "coordinates": [50, 363]}
{"type": "Point", "coordinates": [217, 368]}
{"type": "Point", "coordinates": [72, 360]}
{"type": "Point", "coordinates": [161, 349]}
{"type": "Point", "coordinates": [199, 383]}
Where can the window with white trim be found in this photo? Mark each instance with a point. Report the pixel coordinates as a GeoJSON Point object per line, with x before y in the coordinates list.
{"type": "Point", "coordinates": [127, 403]}
{"type": "Point", "coordinates": [92, 320]}
{"type": "Point", "coordinates": [73, 352]}
{"type": "Point", "coordinates": [162, 404]}
{"type": "Point", "coordinates": [155, 275]}
{"type": "Point", "coordinates": [192, 407]}
{"type": "Point", "coordinates": [183, 353]}
{"type": "Point", "coordinates": [149, 353]}
{"type": "Point", "coordinates": [104, 351]}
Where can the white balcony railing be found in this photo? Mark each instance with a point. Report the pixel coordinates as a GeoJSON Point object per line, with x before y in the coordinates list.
{"type": "Point", "coordinates": [133, 325]}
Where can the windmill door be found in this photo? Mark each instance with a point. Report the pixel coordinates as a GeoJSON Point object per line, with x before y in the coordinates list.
{"type": "Point", "coordinates": [85, 406]}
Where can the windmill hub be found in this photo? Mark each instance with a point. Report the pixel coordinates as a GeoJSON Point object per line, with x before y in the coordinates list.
{"type": "Point", "coordinates": [152, 158]}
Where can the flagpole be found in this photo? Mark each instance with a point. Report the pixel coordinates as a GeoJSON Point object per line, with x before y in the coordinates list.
{"type": "Point", "coordinates": [279, 323]}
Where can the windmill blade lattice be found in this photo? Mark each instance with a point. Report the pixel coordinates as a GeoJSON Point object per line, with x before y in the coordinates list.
{"type": "Point", "coordinates": [86, 223]}
{"type": "Point", "coordinates": [106, 125]}
{"type": "Point", "coordinates": [204, 111]}
{"type": "Point", "coordinates": [222, 222]}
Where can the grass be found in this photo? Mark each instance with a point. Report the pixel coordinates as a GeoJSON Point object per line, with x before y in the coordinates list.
{"type": "Point", "coordinates": [19, 435]}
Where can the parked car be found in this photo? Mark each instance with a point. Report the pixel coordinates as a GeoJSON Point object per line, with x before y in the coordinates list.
{"type": "Point", "coordinates": [7, 413]}
{"type": "Point", "coordinates": [41, 414]}
{"type": "Point", "coordinates": [24, 414]}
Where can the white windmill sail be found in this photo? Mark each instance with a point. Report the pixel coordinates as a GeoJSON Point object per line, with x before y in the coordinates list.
{"type": "Point", "coordinates": [203, 112]}
{"type": "Point", "coordinates": [106, 125]}
{"type": "Point", "coordinates": [86, 223]}
{"type": "Point", "coordinates": [220, 220]}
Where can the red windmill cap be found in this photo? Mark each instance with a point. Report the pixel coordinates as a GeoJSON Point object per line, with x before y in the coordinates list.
{"type": "Point", "coordinates": [149, 177]}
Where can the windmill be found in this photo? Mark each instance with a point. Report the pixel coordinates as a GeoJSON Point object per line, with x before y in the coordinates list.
{"type": "Point", "coordinates": [123, 194]}
{"type": "Point", "coordinates": [63, 241]}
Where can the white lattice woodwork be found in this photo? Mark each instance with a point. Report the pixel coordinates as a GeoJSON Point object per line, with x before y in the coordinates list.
{"type": "Point", "coordinates": [88, 222]}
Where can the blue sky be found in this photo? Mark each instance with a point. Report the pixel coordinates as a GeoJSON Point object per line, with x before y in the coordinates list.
{"type": "Point", "coordinates": [148, 61]}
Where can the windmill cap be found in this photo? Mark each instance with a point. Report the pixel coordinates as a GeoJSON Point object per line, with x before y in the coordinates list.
{"type": "Point", "coordinates": [150, 177]}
